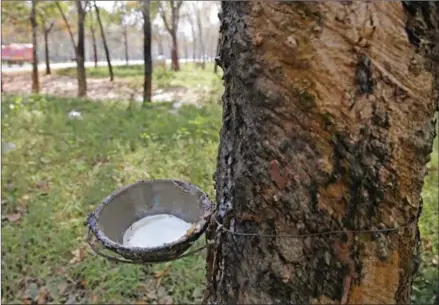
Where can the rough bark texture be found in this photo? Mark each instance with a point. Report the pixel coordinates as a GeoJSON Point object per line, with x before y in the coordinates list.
{"type": "Point", "coordinates": [34, 25]}
{"type": "Point", "coordinates": [328, 124]}
{"type": "Point", "coordinates": [95, 49]}
{"type": "Point", "coordinates": [104, 42]}
{"type": "Point", "coordinates": [172, 27]}
{"type": "Point", "coordinates": [200, 37]}
{"type": "Point", "coordinates": [147, 81]}
{"type": "Point", "coordinates": [72, 39]}
{"type": "Point", "coordinates": [125, 43]}
{"type": "Point", "coordinates": [46, 31]}
{"type": "Point", "coordinates": [80, 54]}
{"type": "Point", "coordinates": [215, 65]}
{"type": "Point", "coordinates": [175, 65]}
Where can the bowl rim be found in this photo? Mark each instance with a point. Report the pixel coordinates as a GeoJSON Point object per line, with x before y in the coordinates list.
{"type": "Point", "coordinates": [200, 225]}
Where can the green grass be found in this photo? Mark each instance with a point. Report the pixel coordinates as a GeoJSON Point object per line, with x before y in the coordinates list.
{"type": "Point", "coordinates": [61, 169]}
{"type": "Point", "coordinates": [185, 78]}
{"type": "Point", "coordinates": [102, 71]}
{"type": "Point", "coordinates": [426, 287]}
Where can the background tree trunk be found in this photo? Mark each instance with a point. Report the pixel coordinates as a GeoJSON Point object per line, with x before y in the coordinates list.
{"type": "Point", "coordinates": [329, 132]}
{"type": "Point", "coordinates": [200, 38]}
{"type": "Point", "coordinates": [215, 64]}
{"type": "Point", "coordinates": [72, 39]}
{"type": "Point", "coordinates": [104, 42]}
{"type": "Point", "coordinates": [95, 49]}
{"type": "Point", "coordinates": [125, 42]}
{"type": "Point", "coordinates": [174, 53]}
{"type": "Point", "coordinates": [160, 46]}
{"type": "Point", "coordinates": [33, 21]}
{"type": "Point", "coordinates": [46, 31]}
{"type": "Point", "coordinates": [147, 83]}
{"type": "Point", "coordinates": [80, 54]}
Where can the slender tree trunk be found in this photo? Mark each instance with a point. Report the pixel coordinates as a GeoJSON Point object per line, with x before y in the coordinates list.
{"type": "Point", "coordinates": [125, 37]}
{"type": "Point", "coordinates": [72, 39]}
{"type": "Point", "coordinates": [201, 40]}
{"type": "Point", "coordinates": [215, 64]}
{"type": "Point", "coordinates": [194, 43]}
{"type": "Point", "coordinates": [147, 83]}
{"type": "Point", "coordinates": [186, 50]}
{"type": "Point", "coordinates": [104, 42]}
{"type": "Point", "coordinates": [46, 51]}
{"type": "Point", "coordinates": [95, 48]}
{"type": "Point", "coordinates": [174, 53]}
{"type": "Point", "coordinates": [80, 54]}
{"type": "Point", "coordinates": [33, 21]}
{"type": "Point", "coordinates": [328, 124]}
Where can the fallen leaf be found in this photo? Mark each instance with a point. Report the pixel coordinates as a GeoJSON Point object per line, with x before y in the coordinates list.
{"type": "Point", "coordinates": [151, 295]}
{"type": "Point", "coordinates": [62, 288]}
{"type": "Point", "coordinates": [94, 299]}
{"type": "Point", "coordinates": [26, 301]}
{"type": "Point", "coordinates": [43, 296]}
{"type": "Point", "coordinates": [13, 217]}
{"type": "Point", "coordinates": [22, 203]}
{"type": "Point", "coordinates": [71, 299]}
{"type": "Point", "coordinates": [428, 246]}
{"type": "Point", "coordinates": [42, 185]}
{"type": "Point", "coordinates": [33, 291]}
{"type": "Point", "coordinates": [78, 256]}
{"type": "Point", "coordinates": [142, 301]}
{"type": "Point", "coordinates": [82, 284]}
{"type": "Point", "coordinates": [434, 261]}
{"type": "Point", "coordinates": [167, 300]}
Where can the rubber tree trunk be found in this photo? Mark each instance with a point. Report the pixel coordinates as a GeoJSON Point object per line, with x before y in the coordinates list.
{"type": "Point", "coordinates": [104, 42]}
{"type": "Point", "coordinates": [160, 46]}
{"type": "Point", "coordinates": [34, 25]}
{"type": "Point", "coordinates": [215, 64]}
{"type": "Point", "coordinates": [80, 52]}
{"type": "Point", "coordinates": [175, 65]}
{"type": "Point", "coordinates": [125, 42]}
{"type": "Point", "coordinates": [201, 39]}
{"type": "Point", "coordinates": [46, 51]}
{"type": "Point", "coordinates": [147, 82]}
{"type": "Point", "coordinates": [328, 123]}
{"type": "Point", "coordinates": [66, 22]}
{"type": "Point", "coordinates": [95, 49]}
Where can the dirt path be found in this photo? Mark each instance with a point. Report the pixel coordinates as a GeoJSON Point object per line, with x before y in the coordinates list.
{"type": "Point", "coordinates": [97, 89]}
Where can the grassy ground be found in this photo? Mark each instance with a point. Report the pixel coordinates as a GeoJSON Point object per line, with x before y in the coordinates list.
{"type": "Point", "coordinates": [186, 78]}
{"type": "Point", "coordinates": [61, 169]}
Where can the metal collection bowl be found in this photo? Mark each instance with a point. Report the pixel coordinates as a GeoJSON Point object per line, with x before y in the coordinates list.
{"type": "Point", "coordinates": [129, 204]}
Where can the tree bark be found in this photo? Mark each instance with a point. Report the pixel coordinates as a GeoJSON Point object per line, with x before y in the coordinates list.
{"type": "Point", "coordinates": [200, 38]}
{"type": "Point", "coordinates": [46, 31]}
{"type": "Point", "coordinates": [172, 27]}
{"type": "Point", "coordinates": [215, 64]}
{"type": "Point", "coordinates": [147, 83]}
{"type": "Point", "coordinates": [33, 21]}
{"type": "Point", "coordinates": [72, 39]}
{"type": "Point", "coordinates": [125, 42]}
{"type": "Point", "coordinates": [95, 49]}
{"type": "Point", "coordinates": [80, 52]}
{"type": "Point", "coordinates": [104, 42]}
{"type": "Point", "coordinates": [328, 124]}
{"type": "Point", "coordinates": [160, 46]}
{"type": "Point", "coordinates": [175, 65]}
